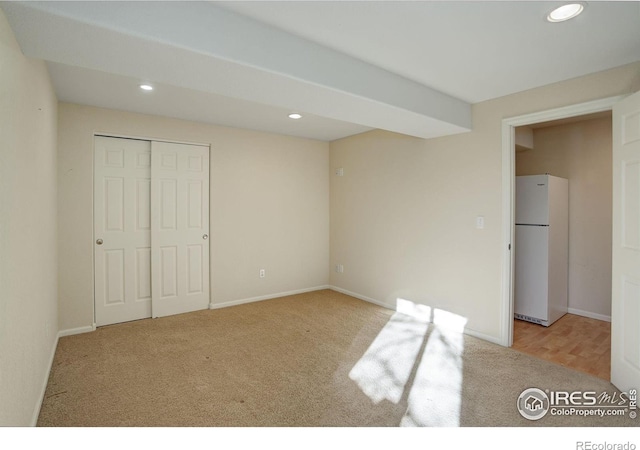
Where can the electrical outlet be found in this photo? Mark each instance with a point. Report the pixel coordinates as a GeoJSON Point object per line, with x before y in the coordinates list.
{"type": "Point", "coordinates": [340, 172]}
{"type": "Point", "coordinates": [339, 268]}
{"type": "Point", "coordinates": [262, 273]}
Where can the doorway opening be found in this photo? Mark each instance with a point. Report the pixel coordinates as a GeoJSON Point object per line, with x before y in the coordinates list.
{"type": "Point", "coordinates": [578, 332]}
{"type": "Point", "coordinates": [584, 331]}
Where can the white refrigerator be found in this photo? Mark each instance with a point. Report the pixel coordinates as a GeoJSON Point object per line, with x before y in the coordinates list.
{"type": "Point", "coordinates": [541, 248]}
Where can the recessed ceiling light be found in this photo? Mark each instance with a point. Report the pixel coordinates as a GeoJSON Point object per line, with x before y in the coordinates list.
{"type": "Point", "coordinates": [146, 87]}
{"type": "Point", "coordinates": [295, 116]}
{"type": "Point", "coordinates": [565, 12]}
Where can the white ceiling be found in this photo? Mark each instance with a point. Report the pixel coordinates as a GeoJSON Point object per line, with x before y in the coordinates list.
{"type": "Point", "coordinates": [472, 50]}
{"type": "Point", "coordinates": [409, 67]}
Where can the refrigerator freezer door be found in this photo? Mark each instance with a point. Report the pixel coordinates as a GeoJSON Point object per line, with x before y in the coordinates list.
{"type": "Point", "coordinates": [532, 200]}
{"type": "Point", "coordinates": [559, 248]}
{"type": "Point", "coordinates": [532, 272]}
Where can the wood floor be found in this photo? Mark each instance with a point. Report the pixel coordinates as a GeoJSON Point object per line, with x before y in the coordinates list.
{"type": "Point", "coordinates": [573, 341]}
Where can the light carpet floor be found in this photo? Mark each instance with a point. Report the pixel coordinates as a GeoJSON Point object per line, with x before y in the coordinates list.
{"type": "Point", "coordinates": [315, 359]}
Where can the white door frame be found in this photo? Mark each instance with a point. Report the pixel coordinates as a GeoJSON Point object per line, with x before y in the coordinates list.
{"type": "Point", "coordinates": [508, 202]}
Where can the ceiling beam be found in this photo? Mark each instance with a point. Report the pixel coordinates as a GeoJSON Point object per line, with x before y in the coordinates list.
{"type": "Point", "coordinates": [209, 49]}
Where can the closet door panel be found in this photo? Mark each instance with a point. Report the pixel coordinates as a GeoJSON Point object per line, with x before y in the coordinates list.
{"type": "Point", "coordinates": [179, 228]}
{"type": "Point", "coordinates": [122, 232]}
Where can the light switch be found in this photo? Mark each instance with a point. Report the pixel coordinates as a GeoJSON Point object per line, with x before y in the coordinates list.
{"type": "Point", "coordinates": [480, 222]}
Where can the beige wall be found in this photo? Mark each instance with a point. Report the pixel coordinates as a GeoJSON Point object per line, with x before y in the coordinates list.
{"type": "Point", "coordinates": [581, 153]}
{"type": "Point", "coordinates": [28, 279]}
{"type": "Point", "coordinates": [269, 206]}
{"type": "Point", "coordinates": [403, 215]}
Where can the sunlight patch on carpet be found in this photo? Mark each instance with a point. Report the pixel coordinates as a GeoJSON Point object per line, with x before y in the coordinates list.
{"type": "Point", "coordinates": [435, 396]}
{"type": "Point", "coordinates": [416, 358]}
{"type": "Point", "coordinates": [384, 370]}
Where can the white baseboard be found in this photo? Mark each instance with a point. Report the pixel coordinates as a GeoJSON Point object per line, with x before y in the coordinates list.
{"type": "Point", "coordinates": [265, 297]}
{"type": "Point", "coordinates": [467, 331]}
{"type": "Point", "coordinates": [590, 315]}
{"type": "Point", "coordinates": [484, 337]}
{"type": "Point", "coordinates": [79, 330]}
{"type": "Point", "coordinates": [45, 381]}
{"type": "Point", "coordinates": [363, 297]}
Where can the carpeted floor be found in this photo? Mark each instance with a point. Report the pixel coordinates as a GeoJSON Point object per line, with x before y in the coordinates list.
{"type": "Point", "coordinates": [314, 359]}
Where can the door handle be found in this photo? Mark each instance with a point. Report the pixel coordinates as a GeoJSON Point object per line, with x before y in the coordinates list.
{"type": "Point", "coordinates": [99, 241]}
{"type": "Point", "coordinates": [205, 236]}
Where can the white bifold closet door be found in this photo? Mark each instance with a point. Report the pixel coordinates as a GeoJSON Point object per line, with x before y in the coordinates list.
{"type": "Point", "coordinates": [151, 224]}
